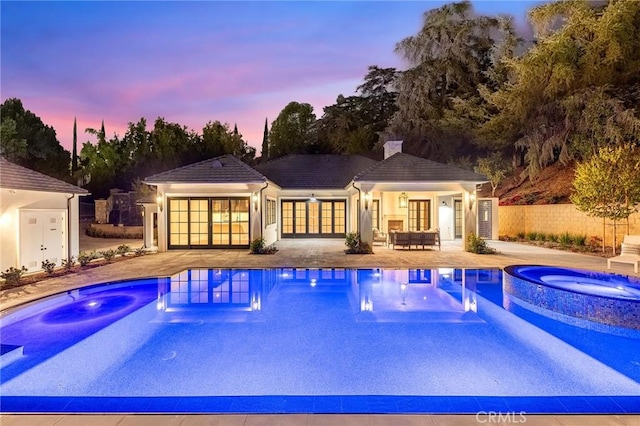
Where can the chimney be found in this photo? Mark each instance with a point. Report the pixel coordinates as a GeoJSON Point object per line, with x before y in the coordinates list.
{"type": "Point", "coordinates": [392, 147]}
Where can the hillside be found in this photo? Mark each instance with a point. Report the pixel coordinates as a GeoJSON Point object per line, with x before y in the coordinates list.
{"type": "Point", "coordinates": [553, 186]}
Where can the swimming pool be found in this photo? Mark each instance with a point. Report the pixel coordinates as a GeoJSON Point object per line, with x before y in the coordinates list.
{"type": "Point", "coordinates": [308, 340]}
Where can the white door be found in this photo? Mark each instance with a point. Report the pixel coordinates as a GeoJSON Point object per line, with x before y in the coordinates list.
{"type": "Point", "coordinates": [42, 237]}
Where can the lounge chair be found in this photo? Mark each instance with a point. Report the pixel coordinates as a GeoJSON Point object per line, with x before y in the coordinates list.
{"type": "Point", "coordinates": [630, 252]}
{"type": "Point", "coordinates": [379, 237]}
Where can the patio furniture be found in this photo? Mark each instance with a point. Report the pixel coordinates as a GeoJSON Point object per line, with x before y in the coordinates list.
{"type": "Point", "coordinates": [379, 237]}
{"type": "Point", "coordinates": [418, 239]}
{"type": "Point", "coordinates": [630, 252]}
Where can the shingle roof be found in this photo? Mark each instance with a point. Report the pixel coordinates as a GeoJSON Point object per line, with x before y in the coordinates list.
{"type": "Point", "coordinates": [402, 167]}
{"type": "Point", "coordinates": [321, 171]}
{"type": "Point", "coordinates": [13, 176]}
{"type": "Point", "coordinates": [224, 169]}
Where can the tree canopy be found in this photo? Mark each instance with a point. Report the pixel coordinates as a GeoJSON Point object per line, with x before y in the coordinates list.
{"type": "Point", "coordinates": [291, 131]}
{"type": "Point", "coordinates": [577, 88]}
{"type": "Point", "coordinates": [27, 141]}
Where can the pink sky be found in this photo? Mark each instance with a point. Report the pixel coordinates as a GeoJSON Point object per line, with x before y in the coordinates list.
{"type": "Point", "coordinates": [194, 62]}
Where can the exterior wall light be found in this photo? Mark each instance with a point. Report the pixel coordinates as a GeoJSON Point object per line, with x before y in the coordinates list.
{"type": "Point", "coordinates": [403, 200]}
{"type": "Point", "coordinates": [472, 199]}
{"type": "Point", "coordinates": [254, 197]}
{"type": "Point", "coordinates": [159, 202]}
{"type": "Point", "coordinates": [367, 198]}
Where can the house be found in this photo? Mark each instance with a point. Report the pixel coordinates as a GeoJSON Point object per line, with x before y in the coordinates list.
{"type": "Point", "coordinates": [38, 218]}
{"type": "Point", "coordinates": [225, 203]}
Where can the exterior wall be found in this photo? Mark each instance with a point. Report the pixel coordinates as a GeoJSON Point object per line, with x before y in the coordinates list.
{"type": "Point", "coordinates": [470, 213]}
{"type": "Point", "coordinates": [560, 218]}
{"type": "Point", "coordinates": [15, 200]}
{"type": "Point", "coordinates": [270, 232]}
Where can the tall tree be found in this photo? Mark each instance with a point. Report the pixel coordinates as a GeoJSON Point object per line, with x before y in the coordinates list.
{"type": "Point", "coordinates": [12, 146]}
{"type": "Point", "coordinates": [43, 150]}
{"type": "Point", "coordinates": [353, 124]}
{"type": "Point", "coordinates": [291, 131]}
{"type": "Point", "coordinates": [264, 154]}
{"type": "Point", "coordinates": [74, 153]}
{"type": "Point", "coordinates": [577, 88]}
{"type": "Point", "coordinates": [450, 58]}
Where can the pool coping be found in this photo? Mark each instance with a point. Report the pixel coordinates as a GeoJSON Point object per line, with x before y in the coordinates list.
{"type": "Point", "coordinates": [329, 404]}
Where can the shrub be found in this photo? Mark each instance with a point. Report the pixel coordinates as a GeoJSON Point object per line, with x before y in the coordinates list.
{"type": "Point", "coordinates": [541, 236]}
{"type": "Point", "coordinates": [108, 255]}
{"type": "Point", "coordinates": [12, 275]}
{"type": "Point", "coordinates": [478, 245]}
{"type": "Point", "coordinates": [67, 264]}
{"type": "Point", "coordinates": [520, 235]}
{"type": "Point", "coordinates": [48, 266]}
{"type": "Point", "coordinates": [553, 238]}
{"type": "Point", "coordinates": [355, 245]}
{"type": "Point", "coordinates": [531, 236]}
{"type": "Point", "coordinates": [580, 240]}
{"type": "Point", "coordinates": [595, 241]}
{"type": "Point", "coordinates": [139, 252]}
{"type": "Point", "coordinates": [84, 258]}
{"type": "Point", "coordinates": [123, 249]}
{"type": "Point", "coordinates": [565, 239]}
{"type": "Point", "coordinates": [257, 245]}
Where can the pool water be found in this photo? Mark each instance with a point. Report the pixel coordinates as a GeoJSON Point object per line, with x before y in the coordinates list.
{"type": "Point", "coordinates": [309, 340]}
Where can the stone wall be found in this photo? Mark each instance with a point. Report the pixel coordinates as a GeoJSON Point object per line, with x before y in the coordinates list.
{"type": "Point", "coordinates": [102, 211]}
{"type": "Point", "coordinates": [560, 218]}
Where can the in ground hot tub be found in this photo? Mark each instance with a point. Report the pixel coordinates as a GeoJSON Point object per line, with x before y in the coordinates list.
{"type": "Point", "coordinates": [607, 302]}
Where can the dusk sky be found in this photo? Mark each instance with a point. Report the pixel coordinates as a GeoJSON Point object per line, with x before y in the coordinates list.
{"type": "Point", "coordinates": [194, 62]}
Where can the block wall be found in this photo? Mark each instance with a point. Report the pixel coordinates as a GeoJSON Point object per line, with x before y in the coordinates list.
{"type": "Point", "coordinates": [560, 218]}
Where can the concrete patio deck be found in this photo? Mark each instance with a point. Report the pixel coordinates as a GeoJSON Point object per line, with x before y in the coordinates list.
{"type": "Point", "coordinates": [307, 254]}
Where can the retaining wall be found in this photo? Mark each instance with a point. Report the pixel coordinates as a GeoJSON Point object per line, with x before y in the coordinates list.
{"type": "Point", "coordinates": [560, 218]}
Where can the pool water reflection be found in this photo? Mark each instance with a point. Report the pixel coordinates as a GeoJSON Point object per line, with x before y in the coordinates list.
{"type": "Point", "coordinates": [381, 295]}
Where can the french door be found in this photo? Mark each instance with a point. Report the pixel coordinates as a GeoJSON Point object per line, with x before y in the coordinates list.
{"type": "Point", "coordinates": [419, 215]}
{"type": "Point", "coordinates": [208, 222]}
{"type": "Point", "coordinates": [313, 219]}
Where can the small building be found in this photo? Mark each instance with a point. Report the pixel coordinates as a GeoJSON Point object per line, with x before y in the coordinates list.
{"type": "Point", "coordinates": [225, 203]}
{"type": "Point", "coordinates": [39, 218]}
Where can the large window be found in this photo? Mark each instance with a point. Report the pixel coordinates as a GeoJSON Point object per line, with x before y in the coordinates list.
{"type": "Point", "coordinates": [458, 218]}
{"type": "Point", "coordinates": [270, 212]}
{"type": "Point", "coordinates": [208, 222]}
{"type": "Point", "coordinates": [179, 220]}
{"type": "Point", "coordinates": [322, 218]}
{"type": "Point", "coordinates": [419, 215]}
{"type": "Point", "coordinates": [199, 222]}
{"type": "Point", "coordinates": [375, 214]}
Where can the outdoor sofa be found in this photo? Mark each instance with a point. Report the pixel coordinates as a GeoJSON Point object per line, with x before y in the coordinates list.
{"type": "Point", "coordinates": [417, 239]}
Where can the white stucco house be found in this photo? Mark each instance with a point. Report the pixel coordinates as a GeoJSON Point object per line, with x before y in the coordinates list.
{"type": "Point", "coordinates": [225, 203]}
{"type": "Point", "coordinates": [38, 218]}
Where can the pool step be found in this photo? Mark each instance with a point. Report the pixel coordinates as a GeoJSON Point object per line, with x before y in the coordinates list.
{"type": "Point", "coordinates": [10, 353]}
